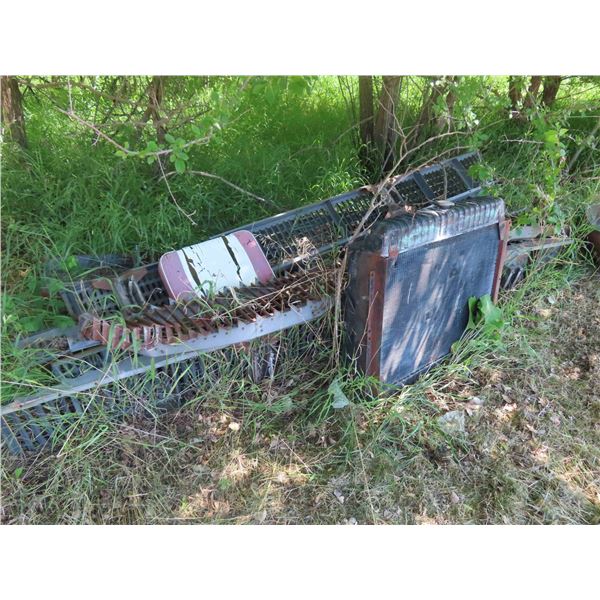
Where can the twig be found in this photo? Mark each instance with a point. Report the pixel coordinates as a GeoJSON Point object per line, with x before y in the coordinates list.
{"type": "Point", "coordinates": [100, 133]}
{"type": "Point", "coordinates": [229, 183]}
{"type": "Point", "coordinates": [365, 478]}
{"type": "Point", "coordinates": [588, 141]}
{"type": "Point", "coordinates": [75, 117]}
{"type": "Point", "coordinates": [188, 216]}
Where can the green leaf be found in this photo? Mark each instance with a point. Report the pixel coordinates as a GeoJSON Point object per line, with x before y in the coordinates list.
{"type": "Point", "coordinates": [179, 165]}
{"type": "Point", "coordinates": [18, 472]}
{"type": "Point", "coordinates": [62, 321]}
{"type": "Point", "coordinates": [492, 315]}
{"type": "Point", "coordinates": [484, 313]}
{"type": "Point", "coordinates": [169, 138]}
{"type": "Point", "coordinates": [472, 313]}
{"type": "Point", "coordinates": [340, 400]}
{"type": "Point", "coordinates": [55, 285]}
{"type": "Point", "coordinates": [71, 263]}
{"type": "Point", "coordinates": [31, 324]}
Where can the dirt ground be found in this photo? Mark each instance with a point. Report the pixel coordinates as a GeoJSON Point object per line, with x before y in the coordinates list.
{"type": "Point", "coordinates": [529, 451]}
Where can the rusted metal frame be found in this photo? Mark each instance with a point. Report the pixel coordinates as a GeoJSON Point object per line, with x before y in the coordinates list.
{"type": "Point", "coordinates": [243, 332]}
{"type": "Point", "coordinates": [173, 323]}
{"type": "Point", "coordinates": [377, 278]}
{"type": "Point", "coordinates": [364, 304]}
{"type": "Point", "coordinates": [504, 232]}
{"type": "Point", "coordinates": [519, 253]}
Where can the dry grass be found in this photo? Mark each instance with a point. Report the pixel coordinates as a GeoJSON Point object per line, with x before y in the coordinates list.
{"type": "Point", "coordinates": [278, 453]}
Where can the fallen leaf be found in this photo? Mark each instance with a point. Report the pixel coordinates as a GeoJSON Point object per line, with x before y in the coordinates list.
{"type": "Point", "coordinates": [340, 400]}
{"type": "Point", "coordinates": [260, 516]}
{"type": "Point", "coordinates": [340, 497]}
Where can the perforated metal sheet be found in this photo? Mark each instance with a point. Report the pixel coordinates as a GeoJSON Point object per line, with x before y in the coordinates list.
{"type": "Point", "coordinates": [43, 422]}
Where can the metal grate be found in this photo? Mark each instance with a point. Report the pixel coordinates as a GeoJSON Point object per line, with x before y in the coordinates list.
{"type": "Point", "coordinates": [47, 423]}
{"type": "Point", "coordinates": [33, 424]}
{"type": "Point", "coordinates": [445, 183]}
{"type": "Point", "coordinates": [469, 160]}
{"type": "Point", "coordinates": [410, 193]}
{"type": "Point", "coordinates": [332, 222]}
{"type": "Point", "coordinates": [302, 232]}
{"type": "Point", "coordinates": [141, 287]}
{"type": "Point", "coordinates": [76, 365]}
{"type": "Point", "coordinates": [133, 289]}
{"type": "Point", "coordinates": [306, 232]}
{"type": "Point", "coordinates": [83, 296]}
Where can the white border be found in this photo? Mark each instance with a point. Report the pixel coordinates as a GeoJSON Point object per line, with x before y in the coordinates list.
{"type": "Point", "coordinates": [299, 562]}
{"type": "Point", "coordinates": [309, 37]}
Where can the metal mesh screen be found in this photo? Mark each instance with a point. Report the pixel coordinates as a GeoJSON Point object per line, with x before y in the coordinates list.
{"type": "Point", "coordinates": [445, 183]}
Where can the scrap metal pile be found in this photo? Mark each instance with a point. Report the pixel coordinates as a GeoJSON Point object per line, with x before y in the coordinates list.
{"type": "Point", "coordinates": [152, 326]}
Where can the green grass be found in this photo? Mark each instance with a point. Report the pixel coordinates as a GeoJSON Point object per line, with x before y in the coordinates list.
{"type": "Point", "coordinates": [529, 453]}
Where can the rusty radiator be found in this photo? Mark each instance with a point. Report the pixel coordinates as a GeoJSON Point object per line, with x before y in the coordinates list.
{"type": "Point", "coordinates": [409, 284]}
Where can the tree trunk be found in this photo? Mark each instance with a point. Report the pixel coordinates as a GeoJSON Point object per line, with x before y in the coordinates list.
{"type": "Point", "coordinates": [386, 126]}
{"type": "Point", "coordinates": [12, 110]}
{"type": "Point", "coordinates": [532, 92]}
{"type": "Point", "coordinates": [551, 85]}
{"type": "Point", "coordinates": [156, 93]}
{"type": "Point", "coordinates": [366, 120]}
{"type": "Point", "coordinates": [367, 117]}
{"type": "Point", "coordinates": [445, 121]}
{"type": "Point", "coordinates": [514, 93]}
{"type": "Point", "coordinates": [423, 126]}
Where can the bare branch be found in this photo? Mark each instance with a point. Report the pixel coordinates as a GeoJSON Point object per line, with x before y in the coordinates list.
{"type": "Point", "coordinates": [100, 133]}
{"type": "Point", "coordinates": [75, 117]}
{"type": "Point", "coordinates": [229, 183]}
{"type": "Point", "coordinates": [187, 215]}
